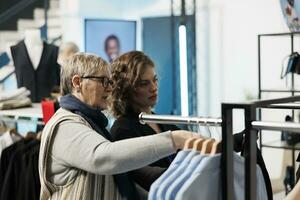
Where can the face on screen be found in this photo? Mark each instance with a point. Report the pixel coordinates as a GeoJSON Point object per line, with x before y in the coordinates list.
{"type": "Point", "coordinates": [112, 48]}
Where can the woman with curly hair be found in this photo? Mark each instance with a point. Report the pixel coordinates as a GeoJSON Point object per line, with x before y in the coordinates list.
{"type": "Point", "coordinates": [134, 91]}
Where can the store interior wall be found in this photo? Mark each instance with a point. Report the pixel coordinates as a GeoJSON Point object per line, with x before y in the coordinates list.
{"type": "Point", "coordinates": [227, 58]}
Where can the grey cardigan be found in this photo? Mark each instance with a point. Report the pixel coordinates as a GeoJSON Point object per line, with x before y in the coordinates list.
{"type": "Point", "coordinates": [77, 163]}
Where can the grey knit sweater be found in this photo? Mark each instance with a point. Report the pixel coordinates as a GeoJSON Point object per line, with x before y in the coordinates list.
{"type": "Point", "coordinates": [78, 163]}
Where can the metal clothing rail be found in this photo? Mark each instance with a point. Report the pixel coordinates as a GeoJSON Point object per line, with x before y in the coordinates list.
{"type": "Point", "coordinates": [277, 126]}
{"type": "Point", "coordinates": [171, 119]}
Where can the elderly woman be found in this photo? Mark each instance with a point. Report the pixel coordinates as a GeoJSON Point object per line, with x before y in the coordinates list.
{"type": "Point", "coordinates": [77, 158]}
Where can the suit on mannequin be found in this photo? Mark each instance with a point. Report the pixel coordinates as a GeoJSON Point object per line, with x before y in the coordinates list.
{"type": "Point", "coordinates": [36, 65]}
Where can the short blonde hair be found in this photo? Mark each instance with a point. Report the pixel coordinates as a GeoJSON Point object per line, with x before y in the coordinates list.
{"type": "Point", "coordinates": [81, 64]}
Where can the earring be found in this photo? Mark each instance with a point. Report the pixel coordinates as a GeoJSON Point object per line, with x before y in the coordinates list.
{"type": "Point", "coordinates": [77, 89]}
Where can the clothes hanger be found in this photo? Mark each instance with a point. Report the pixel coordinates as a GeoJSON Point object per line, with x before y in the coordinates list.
{"type": "Point", "coordinates": [216, 147]}
{"type": "Point", "coordinates": [39, 136]}
{"type": "Point", "coordinates": [189, 143]}
{"type": "Point", "coordinates": [197, 146]}
{"type": "Point", "coordinates": [207, 146]}
{"type": "Point", "coordinates": [30, 135]}
{"type": "Point", "coordinates": [208, 129]}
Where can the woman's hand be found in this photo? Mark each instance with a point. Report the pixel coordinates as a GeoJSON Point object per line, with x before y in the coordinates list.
{"type": "Point", "coordinates": [181, 136]}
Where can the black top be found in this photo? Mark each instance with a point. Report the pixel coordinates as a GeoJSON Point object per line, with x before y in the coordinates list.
{"type": "Point", "coordinates": [129, 126]}
{"type": "Point", "coordinates": [6, 158]}
{"type": "Point", "coordinates": [29, 184]}
{"type": "Point", "coordinates": [16, 172]}
{"type": "Point", "coordinates": [41, 81]}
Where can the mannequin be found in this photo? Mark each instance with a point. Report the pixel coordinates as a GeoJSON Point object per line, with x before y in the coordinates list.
{"type": "Point", "coordinates": [36, 65]}
{"type": "Point", "coordinates": [34, 45]}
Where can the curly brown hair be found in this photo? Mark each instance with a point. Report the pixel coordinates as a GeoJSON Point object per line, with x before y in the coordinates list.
{"type": "Point", "coordinates": [126, 71]}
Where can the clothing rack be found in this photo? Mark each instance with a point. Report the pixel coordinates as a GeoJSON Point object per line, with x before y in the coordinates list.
{"type": "Point", "coordinates": [227, 144]}
{"type": "Point", "coordinates": [251, 110]}
{"type": "Point", "coordinates": [251, 125]}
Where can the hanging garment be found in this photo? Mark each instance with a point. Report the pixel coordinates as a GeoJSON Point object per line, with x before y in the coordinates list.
{"type": "Point", "coordinates": [205, 181]}
{"type": "Point", "coordinates": [6, 140]}
{"type": "Point", "coordinates": [207, 173]}
{"type": "Point", "coordinates": [14, 171]}
{"type": "Point", "coordinates": [40, 81]}
{"type": "Point", "coordinates": [174, 165]}
{"type": "Point", "coordinates": [29, 185]}
{"type": "Point", "coordinates": [182, 178]}
{"type": "Point", "coordinates": [5, 159]}
{"type": "Point", "coordinates": [239, 146]}
{"type": "Point", "coordinates": [161, 192]}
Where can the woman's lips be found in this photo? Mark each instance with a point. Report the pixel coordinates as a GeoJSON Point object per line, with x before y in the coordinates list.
{"type": "Point", "coordinates": [153, 97]}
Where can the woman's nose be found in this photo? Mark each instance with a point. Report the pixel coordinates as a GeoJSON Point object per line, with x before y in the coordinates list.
{"type": "Point", "coordinates": [153, 86]}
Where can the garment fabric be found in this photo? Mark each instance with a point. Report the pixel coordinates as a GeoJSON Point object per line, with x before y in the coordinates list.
{"type": "Point", "coordinates": [174, 165]}
{"type": "Point", "coordinates": [239, 146]}
{"type": "Point", "coordinates": [6, 140]}
{"type": "Point", "coordinates": [6, 158]}
{"type": "Point", "coordinates": [69, 143]}
{"type": "Point", "coordinates": [29, 186]}
{"type": "Point", "coordinates": [183, 176]}
{"type": "Point", "coordinates": [204, 180]}
{"type": "Point", "coordinates": [41, 81]}
{"type": "Point", "coordinates": [128, 126]}
{"type": "Point", "coordinates": [14, 94]}
{"type": "Point", "coordinates": [162, 190]}
{"type": "Point", "coordinates": [16, 172]}
{"type": "Point", "coordinates": [15, 103]}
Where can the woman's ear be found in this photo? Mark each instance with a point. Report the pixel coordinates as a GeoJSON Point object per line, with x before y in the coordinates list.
{"type": "Point", "coordinates": [76, 83]}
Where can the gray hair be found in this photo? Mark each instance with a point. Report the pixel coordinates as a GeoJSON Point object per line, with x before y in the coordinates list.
{"type": "Point", "coordinates": [81, 64]}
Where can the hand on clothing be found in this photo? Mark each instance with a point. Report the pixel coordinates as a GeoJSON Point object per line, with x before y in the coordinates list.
{"type": "Point", "coordinates": [181, 136]}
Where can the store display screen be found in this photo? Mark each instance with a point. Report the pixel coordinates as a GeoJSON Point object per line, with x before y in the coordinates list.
{"type": "Point", "coordinates": [109, 38]}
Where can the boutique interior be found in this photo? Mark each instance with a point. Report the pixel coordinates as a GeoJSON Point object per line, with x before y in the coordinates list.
{"type": "Point", "coordinates": [225, 70]}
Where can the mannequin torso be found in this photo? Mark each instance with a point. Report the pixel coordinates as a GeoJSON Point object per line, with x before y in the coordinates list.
{"type": "Point", "coordinates": [34, 46]}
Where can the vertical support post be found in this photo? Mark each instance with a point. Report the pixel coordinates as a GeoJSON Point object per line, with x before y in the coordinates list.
{"type": "Point", "coordinates": [293, 77]}
{"type": "Point", "coordinates": [259, 86]}
{"type": "Point", "coordinates": [174, 108]}
{"type": "Point", "coordinates": [227, 153]}
{"type": "Point", "coordinates": [250, 154]}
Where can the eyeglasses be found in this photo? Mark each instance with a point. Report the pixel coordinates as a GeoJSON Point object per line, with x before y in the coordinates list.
{"type": "Point", "coordinates": [105, 81]}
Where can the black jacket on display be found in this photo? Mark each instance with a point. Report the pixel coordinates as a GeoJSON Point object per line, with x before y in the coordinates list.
{"type": "Point", "coordinates": [41, 81]}
{"type": "Point", "coordinates": [129, 127]}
